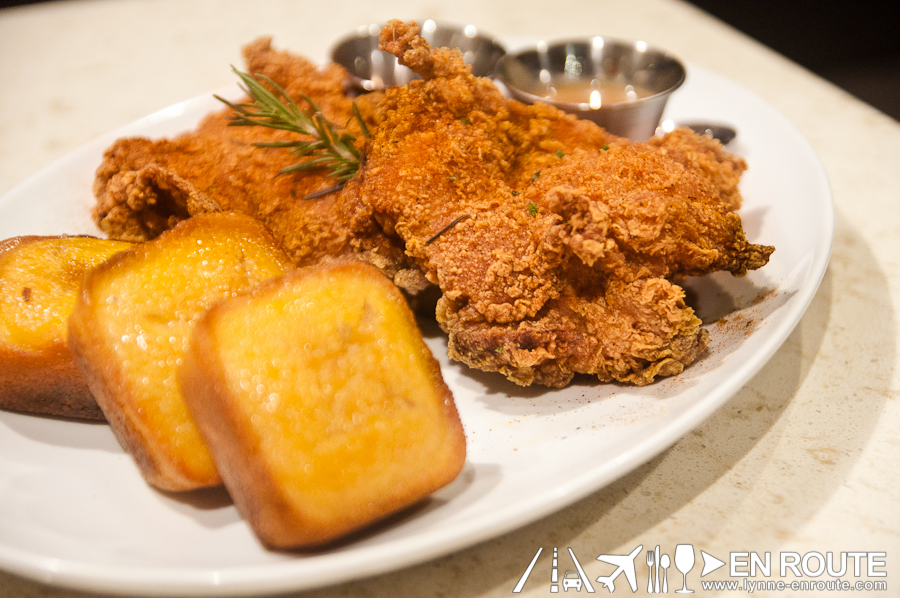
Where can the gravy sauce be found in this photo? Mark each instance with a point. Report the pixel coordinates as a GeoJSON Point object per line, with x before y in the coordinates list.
{"type": "Point", "coordinates": [594, 93]}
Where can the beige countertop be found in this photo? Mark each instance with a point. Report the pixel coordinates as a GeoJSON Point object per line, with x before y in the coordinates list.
{"type": "Point", "coordinates": [803, 458]}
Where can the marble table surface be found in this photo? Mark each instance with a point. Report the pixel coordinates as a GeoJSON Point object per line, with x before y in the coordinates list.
{"type": "Point", "coordinates": [802, 459]}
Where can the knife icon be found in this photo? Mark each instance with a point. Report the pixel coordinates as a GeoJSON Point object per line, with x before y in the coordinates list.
{"type": "Point", "coordinates": [656, 566]}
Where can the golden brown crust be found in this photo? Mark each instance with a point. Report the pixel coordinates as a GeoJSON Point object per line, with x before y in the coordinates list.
{"type": "Point", "coordinates": [403, 40]}
{"type": "Point", "coordinates": [137, 205]}
{"type": "Point", "coordinates": [494, 202]}
{"type": "Point", "coordinates": [570, 236]}
{"type": "Point", "coordinates": [131, 321]}
{"type": "Point", "coordinates": [399, 458]}
{"type": "Point", "coordinates": [649, 216]}
{"type": "Point", "coordinates": [39, 374]}
{"type": "Point", "coordinates": [145, 186]}
{"type": "Point", "coordinates": [619, 332]}
{"type": "Point", "coordinates": [709, 156]}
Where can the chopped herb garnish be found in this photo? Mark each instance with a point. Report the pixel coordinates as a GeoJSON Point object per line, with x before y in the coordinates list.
{"type": "Point", "coordinates": [499, 349]}
{"type": "Point", "coordinates": [465, 121]}
{"type": "Point", "coordinates": [515, 193]}
{"type": "Point", "coordinates": [559, 154]}
{"type": "Point", "coordinates": [536, 175]}
{"type": "Point", "coordinates": [532, 208]}
{"type": "Point", "coordinates": [605, 147]}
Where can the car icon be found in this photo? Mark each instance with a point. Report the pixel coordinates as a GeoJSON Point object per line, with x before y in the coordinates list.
{"type": "Point", "coordinates": [571, 580]}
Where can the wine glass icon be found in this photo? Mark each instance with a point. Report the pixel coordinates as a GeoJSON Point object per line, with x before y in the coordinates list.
{"type": "Point", "coordinates": [684, 562]}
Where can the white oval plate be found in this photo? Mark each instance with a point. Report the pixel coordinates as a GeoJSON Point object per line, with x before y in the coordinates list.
{"type": "Point", "coordinates": [75, 512]}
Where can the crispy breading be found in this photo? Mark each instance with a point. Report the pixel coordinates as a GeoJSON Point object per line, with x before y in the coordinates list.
{"type": "Point", "coordinates": [543, 202]}
{"type": "Point", "coordinates": [700, 152]}
{"type": "Point", "coordinates": [144, 186]}
{"type": "Point", "coordinates": [543, 233]}
{"type": "Point", "coordinates": [633, 212]}
{"type": "Point", "coordinates": [625, 332]}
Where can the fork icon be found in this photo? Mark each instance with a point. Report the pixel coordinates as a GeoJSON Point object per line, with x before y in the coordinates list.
{"type": "Point", "coordinates": [650, 561]}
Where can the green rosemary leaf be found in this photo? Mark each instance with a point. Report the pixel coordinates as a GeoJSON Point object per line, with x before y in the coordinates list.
{"type": "Point", "coordinates": [272, 107]}
{"type": "Point", "coordinates": [276, 144]}
{"type": "Point", "coordinates": [362, 123]}
{"type": "Point", "coordinates": [453, 223]}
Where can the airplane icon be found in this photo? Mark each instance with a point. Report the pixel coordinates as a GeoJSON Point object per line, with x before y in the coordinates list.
{"type": "Point", "coordinates": [624, 564]}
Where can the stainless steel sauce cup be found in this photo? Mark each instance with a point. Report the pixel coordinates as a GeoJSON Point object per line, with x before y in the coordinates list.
{"type": "Point", "coordinates": [372, 69]}
{"type": "Point", "coordinates": [596, 63]}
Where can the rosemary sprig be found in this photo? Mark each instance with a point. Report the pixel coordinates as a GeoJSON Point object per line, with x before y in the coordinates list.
{"type": "Point", "coordinates": [327, 149]}
{"type": "Point", "coordinates": [453, 223]}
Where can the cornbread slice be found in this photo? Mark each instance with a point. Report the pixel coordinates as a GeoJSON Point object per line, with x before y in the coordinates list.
{"type": "Point", "coordinates": [39, 280]}
{"type": "Point", "coordinates": [131, 323]}
{"type": "Point", "coordinates": [321, 403]}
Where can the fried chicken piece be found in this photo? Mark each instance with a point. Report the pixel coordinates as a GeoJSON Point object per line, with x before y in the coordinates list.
{"type": "Point", "coordinates": [144, 186]}
{"type": "Point", "coordinates": [509, 209]}
{"type": "Point", "coordinates": [215, 165]}
{"type": "Point", "coordinates": [632, 213]}
{"type": "Point", "coordinates": [617, 331]}
{"type": "Point", "coordinates": [708, 155]}
{"type": "Point", "coordinates": [419, 181]}
{"type": "Point", "coordinates": [552, 242]}
{"type": "Point", "coordinates": [453, 146]}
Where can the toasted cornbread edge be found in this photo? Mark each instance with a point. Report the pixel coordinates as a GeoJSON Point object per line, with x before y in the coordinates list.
{"type": "Point", "coordinates": [107, 384]}
{"type": "Point", "coordinates": [44, 381]}
{"type": "Point", "coordinates": [243, 477]}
